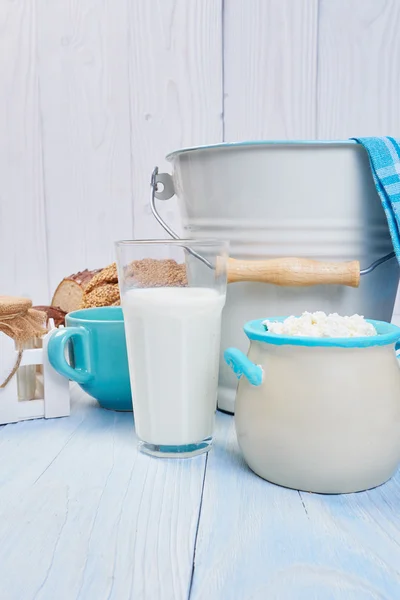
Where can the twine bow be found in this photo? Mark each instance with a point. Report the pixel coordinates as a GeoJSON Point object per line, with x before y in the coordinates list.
{"type": "Point", "coordinates": [20, 322]}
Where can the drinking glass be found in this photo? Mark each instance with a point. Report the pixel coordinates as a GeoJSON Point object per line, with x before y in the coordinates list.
{"type": "Point", "coordinates": [172, 296]}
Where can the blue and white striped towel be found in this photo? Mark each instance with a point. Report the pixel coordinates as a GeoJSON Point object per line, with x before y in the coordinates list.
{"type": "Point", "coordinates": [384, 157]}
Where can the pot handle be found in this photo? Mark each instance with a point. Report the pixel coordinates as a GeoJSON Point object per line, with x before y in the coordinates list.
{"type": "Point", "coordinates": [241, 365]}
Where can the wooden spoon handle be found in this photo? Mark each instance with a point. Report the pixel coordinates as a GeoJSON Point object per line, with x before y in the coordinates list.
{"type": "Point", "coordinates": [294, 272]}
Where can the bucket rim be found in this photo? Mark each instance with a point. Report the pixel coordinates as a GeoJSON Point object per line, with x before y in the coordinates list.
{"type": "Point", "coordinates": [256, 143]}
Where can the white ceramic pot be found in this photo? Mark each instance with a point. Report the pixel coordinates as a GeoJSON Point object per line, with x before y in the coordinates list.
{"type": "Point", "coordinates": [319, 414]}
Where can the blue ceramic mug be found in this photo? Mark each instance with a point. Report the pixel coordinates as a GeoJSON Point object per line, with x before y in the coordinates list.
{"type": "Point", "coordinates": [97, 350]}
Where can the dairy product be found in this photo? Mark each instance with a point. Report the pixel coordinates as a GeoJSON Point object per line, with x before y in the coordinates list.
{"type": "Point", "coordinates": [319, 324]}
{"type": "Point", "coordinates": [173, 342]}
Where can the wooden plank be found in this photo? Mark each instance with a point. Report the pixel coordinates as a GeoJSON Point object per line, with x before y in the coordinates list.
{"type": "Point", "coordinates": [176, 92]}
{"type": "Point", "coordinates": [30, 409]}
{"type": "Point", "coordinates": [257, 540]}
{"type": "Point", "coordinates": [270, 66]}
{"type": "Point", "coordinates": [99, 520]}
{"type": "Point", "coordinates": [8, 394]}
{"type": "Point", "coordinates": [31, 356]}
{"type": "Point", "coordinates": [23, 264]}
{"type": "Point", "coordinates": [83, 65]}
{"type": "Point", "coordinates": [358, 68]}
{"type": "Point", "coordinates": [22, 444]}
{"type": "Point", "coordinates": [353, 544]}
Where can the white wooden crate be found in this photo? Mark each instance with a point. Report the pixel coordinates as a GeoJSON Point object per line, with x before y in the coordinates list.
{"type": "Point", "coordinates": [56, 400]}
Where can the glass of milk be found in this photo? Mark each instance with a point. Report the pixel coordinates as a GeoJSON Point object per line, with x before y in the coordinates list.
{"type": "Point", "coordinates": [172, 296]}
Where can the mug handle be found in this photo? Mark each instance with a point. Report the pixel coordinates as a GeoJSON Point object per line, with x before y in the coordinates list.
{"type": "Point", "coordinates": [56, 352]}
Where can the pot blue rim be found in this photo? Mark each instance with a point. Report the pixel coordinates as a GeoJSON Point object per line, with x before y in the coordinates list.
{"type": "Point", "coordinates": [387, 334]}
{"type": "Point", "coordinates": [221, 145]}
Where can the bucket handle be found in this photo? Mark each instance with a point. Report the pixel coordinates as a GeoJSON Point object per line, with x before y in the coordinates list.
{"type": "Point", "coordinates": [165, 194]}
{"type": "Point", "coordinates": [286, 271]}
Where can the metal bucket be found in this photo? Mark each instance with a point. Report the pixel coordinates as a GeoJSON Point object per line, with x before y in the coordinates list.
{"type": "Point", "coordinates": [278, 199]}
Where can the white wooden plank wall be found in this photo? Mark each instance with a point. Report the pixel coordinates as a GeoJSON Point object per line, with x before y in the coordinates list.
{"type": "Point", "coordinates": [270, 67]}
{"type": "Point", "coordinates": [94, 93]}
{"type": "Point", "coordinates": [358, 68]}
{"type": "Point", "coordinates": [176, 91]}
{"type": "Point", "coordinates": [23, 247]}
{"type": "Point", "coordinates": [82, 57]}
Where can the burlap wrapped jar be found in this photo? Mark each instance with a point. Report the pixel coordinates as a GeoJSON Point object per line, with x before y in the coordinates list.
{"type": "Point", "coordinates": [22, 323]}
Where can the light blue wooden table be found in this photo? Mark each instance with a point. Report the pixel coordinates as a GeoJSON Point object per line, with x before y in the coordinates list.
{"type": "Point", "coordinates": [84, 515]}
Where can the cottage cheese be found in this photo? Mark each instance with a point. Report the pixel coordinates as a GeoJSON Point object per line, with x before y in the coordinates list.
{"type": "Point", "coordinates": [319, 324]}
